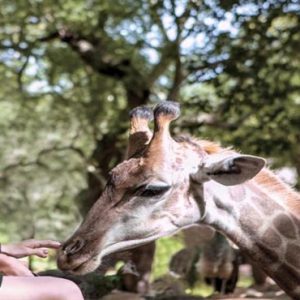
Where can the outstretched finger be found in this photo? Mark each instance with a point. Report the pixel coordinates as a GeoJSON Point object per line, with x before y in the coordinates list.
{"type": "Point", "coordinates": [40, 252]}
{"type": "Point", "coordinates": [42, 244]}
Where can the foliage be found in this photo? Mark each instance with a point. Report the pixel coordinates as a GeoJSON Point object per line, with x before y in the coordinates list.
{"type": "Point", "coordinates": [71, 70]}
{"type": "Point", "coordinates": [165, 248]}
{"type": "Point", "coordinates": [252, 100]}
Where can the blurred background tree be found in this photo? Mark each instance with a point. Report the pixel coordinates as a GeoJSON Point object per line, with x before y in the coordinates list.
{"type": "Point", "coordinates": [71, 70]}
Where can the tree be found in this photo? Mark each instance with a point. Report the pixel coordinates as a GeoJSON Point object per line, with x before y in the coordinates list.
{"type": "Point", "coordinates": [251, 98]}
{"type": "Point", "coordinates": [71, 70]}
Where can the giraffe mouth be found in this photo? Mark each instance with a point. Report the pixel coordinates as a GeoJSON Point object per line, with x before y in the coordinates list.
{"type": "Point", "coordinates": [94, 262]}
{"type": "Point", "coordinates": [130, 244]}
{"type": "Point", "coordinates": [83, 267]}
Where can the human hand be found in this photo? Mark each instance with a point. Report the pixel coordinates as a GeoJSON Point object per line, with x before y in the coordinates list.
{"type": "Point", "coordinates": [11, 266]}
{"type": "Point", "coordinates": [29, 247]}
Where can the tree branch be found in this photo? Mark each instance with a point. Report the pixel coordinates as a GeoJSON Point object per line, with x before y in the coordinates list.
{"type": "Point", "coordinates": [90, 49]}
{"type": "Point", "coordinates": [178, 78]}
{"type": "Point", "coordinates": [38, 160]}
{"type": "Point", "coordinates": [167, 55]}
{"type": "Point", "coordinates": [212, 120]}
{"type": "Point", "coordinates": [157, 18]}
{"type": "Point", "coordinates": [20, 73]}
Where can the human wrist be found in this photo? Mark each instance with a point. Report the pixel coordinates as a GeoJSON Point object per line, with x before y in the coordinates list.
{"type": "Point", "coordinates": [6, 249]}
{"type": "Point", "coordinates": [11, 266]}
{"type": "Point", "coordinates": [3, 258]}
{"type": "Point", "coordinates": [5, 261]}
{"type": "Point", "coordinates": [3, 249]}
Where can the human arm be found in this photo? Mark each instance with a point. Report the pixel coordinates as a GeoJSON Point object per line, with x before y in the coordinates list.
{"type": "Point", "coordinates": [11, 266]}
{"type": "Point", "coordinates": [29, 247]}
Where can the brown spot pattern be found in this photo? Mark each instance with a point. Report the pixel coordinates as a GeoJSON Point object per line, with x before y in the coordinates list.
{"type": "Point", "coordinates": [297, 224]}
{"type": "Point", "coordinates": [266, 205]}
{"type": "Point", "coordinates": [271, 238]}
{"type": "Point", "coordinates": [292, 255]}
{"type": "Point", "coordinates": [287, 277]}
{"type": "Point", "coordinates": [249, 220]}
{"type": "Point", "coordinates": [269, 255]}
{"type": "Point", "coordinates": [285, 226]}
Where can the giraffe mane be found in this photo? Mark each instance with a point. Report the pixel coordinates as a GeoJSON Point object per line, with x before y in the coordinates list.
{"type": "Point", "coordinates": [213, 147]}
{"type": "Point", "coordinates": [208, 146]}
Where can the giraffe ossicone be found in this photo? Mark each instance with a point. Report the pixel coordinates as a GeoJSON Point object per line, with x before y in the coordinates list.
{"type": "Point", "coordinates": [170, 183]}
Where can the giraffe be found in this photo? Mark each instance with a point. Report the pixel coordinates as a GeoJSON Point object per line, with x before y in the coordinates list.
{"type": "Point", "coordinates": [171, 184]}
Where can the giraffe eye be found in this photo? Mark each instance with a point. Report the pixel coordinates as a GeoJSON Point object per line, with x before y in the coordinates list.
{"type": "Point", "coordinates": [153, 191]}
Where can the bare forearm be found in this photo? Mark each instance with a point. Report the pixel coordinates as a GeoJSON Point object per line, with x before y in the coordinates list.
{"type": "Point", "coordinates": [3, 262]}
{"type": "Point", "coordinates": [13, 267]}
{"type": "Point", "coordinates": [6, 249]}
{"type": "Point", "coordinates": [13, 250]}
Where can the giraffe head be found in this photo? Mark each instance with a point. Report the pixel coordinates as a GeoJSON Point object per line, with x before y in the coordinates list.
{"type": "Point", "coordinates": [149, 195]}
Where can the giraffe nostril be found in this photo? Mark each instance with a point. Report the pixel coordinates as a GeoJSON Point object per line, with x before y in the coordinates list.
{"type": "Point", "coordinates": [73, 247]}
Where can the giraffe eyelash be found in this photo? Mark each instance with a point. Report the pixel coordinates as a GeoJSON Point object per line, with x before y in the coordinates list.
{"type": "Point", "coordinates": [153, 191]}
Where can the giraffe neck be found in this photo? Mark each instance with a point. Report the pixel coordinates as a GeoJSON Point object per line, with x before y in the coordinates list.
{"type": "Point", "coordinates": [261, 225]}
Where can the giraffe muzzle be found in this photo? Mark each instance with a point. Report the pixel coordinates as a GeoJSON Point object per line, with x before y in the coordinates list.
{"type": "Point", "coordinates": [73, 247]}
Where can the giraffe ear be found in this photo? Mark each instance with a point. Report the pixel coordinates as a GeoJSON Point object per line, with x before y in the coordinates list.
{"type": "Point", "coordinates": [234, 169]}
